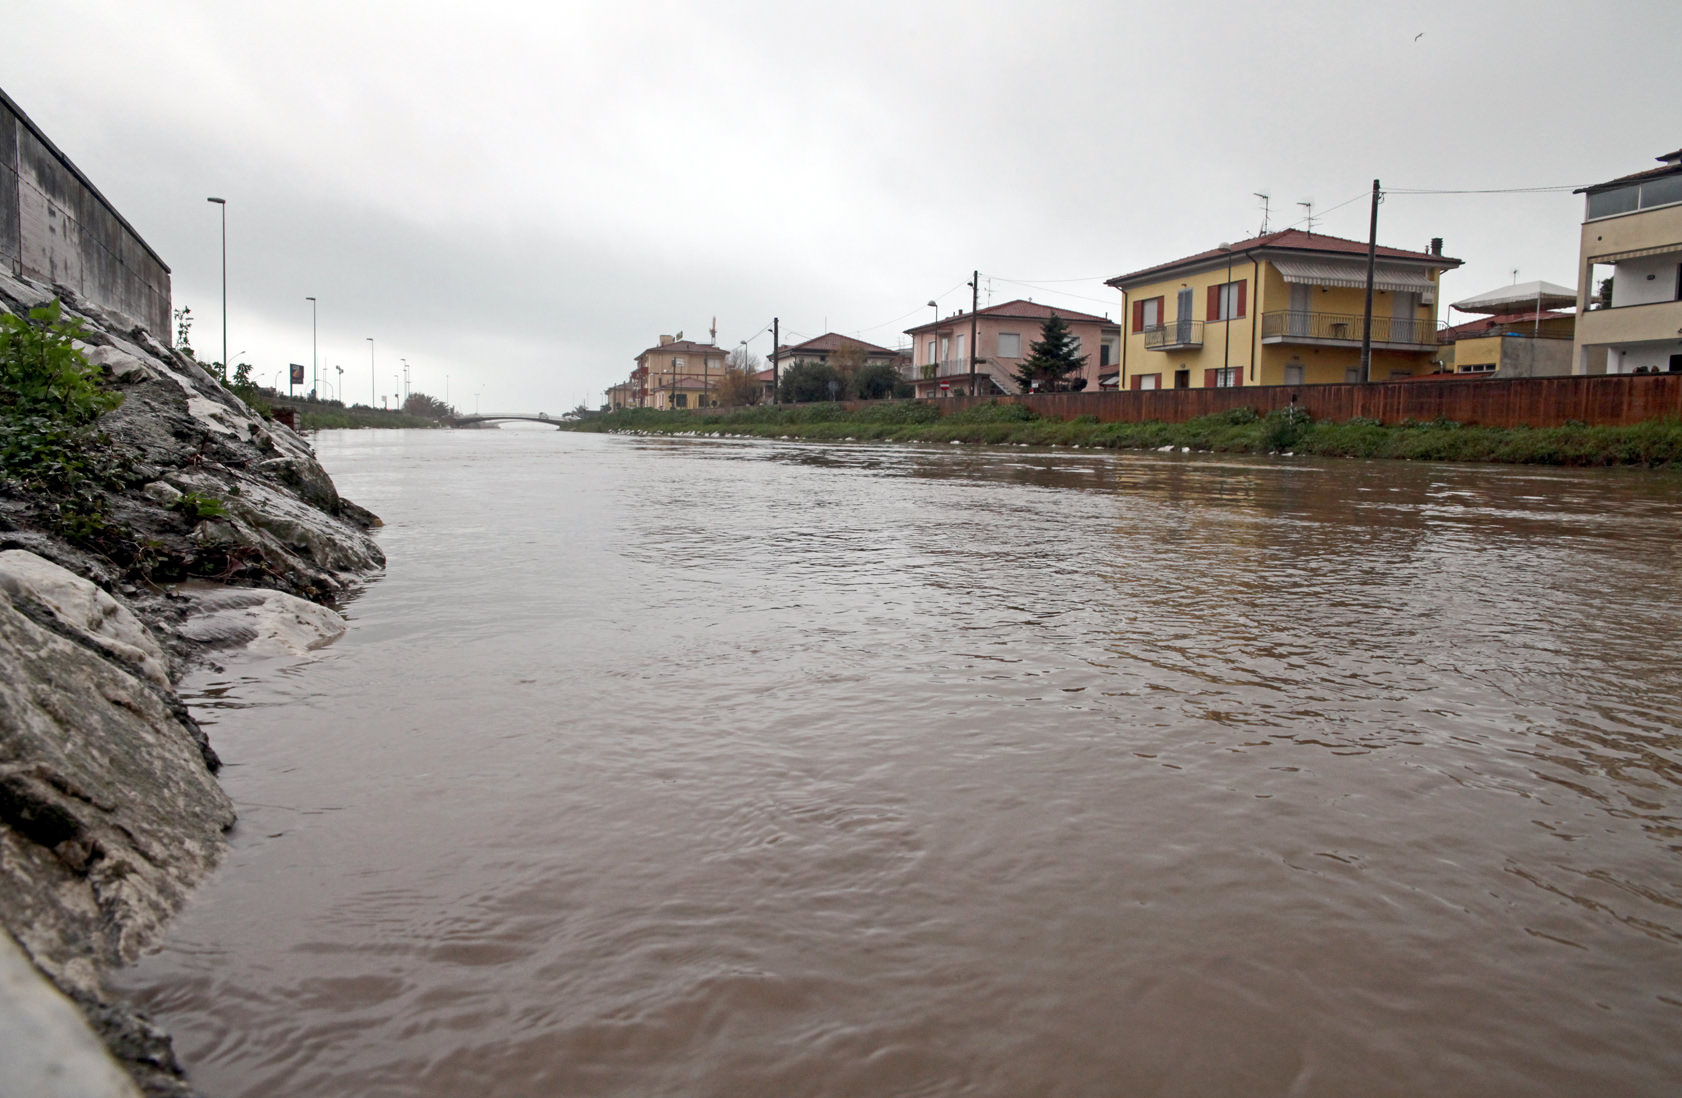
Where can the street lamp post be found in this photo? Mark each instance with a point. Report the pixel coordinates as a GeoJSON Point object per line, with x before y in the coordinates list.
{"type": "Point", "coordinates": [373, 374]}
{"type": "Point", "coordinates": [934, 342]}
{"type": "Point", "coordinates": [223, 206]}
{"type": "Point", "coordinates": [340, 387]}
{"type": "Point", "coordinates": [315, 370]}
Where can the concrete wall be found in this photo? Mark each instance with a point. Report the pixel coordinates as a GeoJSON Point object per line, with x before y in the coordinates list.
{"type": "Point", "coordinates": [1645, 280]}
{"type": "Point", "coordinates": [56, 228]}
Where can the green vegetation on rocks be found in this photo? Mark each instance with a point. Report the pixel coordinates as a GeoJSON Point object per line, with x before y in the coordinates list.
{"type": "Point", "coordinates": [1240, 431]}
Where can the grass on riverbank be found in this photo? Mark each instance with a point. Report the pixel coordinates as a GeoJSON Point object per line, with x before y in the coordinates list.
{"type": "Point", "coordinates": [326, 416]}
{"type": "Point", "coordinates": [1655, 443]}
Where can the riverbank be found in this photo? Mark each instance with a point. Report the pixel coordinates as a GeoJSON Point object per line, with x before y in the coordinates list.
{"type": "Point", "coordinates": [1654, 444]}
{"type": "Point", "coordinates": [149, 518]}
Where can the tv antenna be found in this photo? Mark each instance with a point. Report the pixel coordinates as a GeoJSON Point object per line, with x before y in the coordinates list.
{"type": "Point", "coordinates": [1309, 206]}
{"type": "Point", "coordinates": [1267, 209]}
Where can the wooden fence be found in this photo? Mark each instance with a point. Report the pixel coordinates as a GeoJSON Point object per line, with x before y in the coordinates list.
{"type": "Point", "coordinates": [1610, 401]}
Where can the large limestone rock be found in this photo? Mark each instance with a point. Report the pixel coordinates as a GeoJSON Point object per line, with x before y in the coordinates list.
{"type": "Point", "coordinates": [46, 1046]}
{"type": "Point", "coordinates": [111, 812]}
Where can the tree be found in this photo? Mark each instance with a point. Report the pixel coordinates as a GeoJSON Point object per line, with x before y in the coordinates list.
{"type": "Point", "coordinates": [1051, 360]}
{"type": "Point", "coordinates": [805, 382]}
{"type": "Point", "coordinates": [427, 407]}
{"type": "Point", "coordinates": [879, 381]}
{"type": "Point", "coordinates": [739, 386]}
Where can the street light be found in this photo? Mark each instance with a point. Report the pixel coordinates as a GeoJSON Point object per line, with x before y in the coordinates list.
{"type": "Point", "coordinates": [222, 203]}
{"type": "Point", "coordinates": [315, 375]}
{"type": "Point", "coordinates": [373, 375]}
{"type": "Point", "coordinates": [934, 342]}
{"type": "Point", "coordinates": [340, 387]}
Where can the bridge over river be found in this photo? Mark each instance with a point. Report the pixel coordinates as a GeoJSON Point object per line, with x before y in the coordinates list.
{"type": "Point", "coordinates": [528, 417]}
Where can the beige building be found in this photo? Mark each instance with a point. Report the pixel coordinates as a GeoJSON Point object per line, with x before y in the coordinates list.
{"type": "Point", "coordinates": [1629, 274]}
{"type": "Point", "coordinates": [942, 364]}
{"type": "Point", "coordinates": [1287, 308]}
{"type": "Point", "coordinates": [675, 373]}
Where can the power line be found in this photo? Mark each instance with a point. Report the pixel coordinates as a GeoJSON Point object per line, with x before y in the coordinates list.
{"type": "Point", "coordinates": [1484, 190]}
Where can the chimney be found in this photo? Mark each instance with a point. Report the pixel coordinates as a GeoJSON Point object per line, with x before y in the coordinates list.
{"type": "Point", "coordinates": [665, 340]}
{"type": "Point", "coordinates": [1436, 245]}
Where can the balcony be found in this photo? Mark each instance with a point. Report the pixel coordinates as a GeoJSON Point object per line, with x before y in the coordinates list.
{"type": "Point", "coordinates": [1182, 335]}
{"type": "Point", "coordinates": [1344, 330]}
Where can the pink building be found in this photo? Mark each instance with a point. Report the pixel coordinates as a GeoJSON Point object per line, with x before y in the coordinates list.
{"type": "Point", "coordinates": [943, 363]}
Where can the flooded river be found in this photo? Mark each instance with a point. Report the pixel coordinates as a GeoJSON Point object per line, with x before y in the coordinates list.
{"type": "Point", "coordinates": [715, 768]}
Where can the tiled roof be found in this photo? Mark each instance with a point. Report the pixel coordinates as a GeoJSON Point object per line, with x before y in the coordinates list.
{"type": "Point", "coordinates": [685, 346]}
{"type": "Point", "coordinates": [1019, 309]}
{"type": "Point", "coordinates": [1293, 240]}
{"type": "Point", "coordinates": [831, 341]}
{"type": "Point", "coordinates": [1671, 163]}
{"type": "Point", "coordinates": [1483, 325]}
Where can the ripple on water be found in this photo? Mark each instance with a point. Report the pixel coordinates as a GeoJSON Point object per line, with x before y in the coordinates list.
{"type": "Point", "coordinates": [665, 767]}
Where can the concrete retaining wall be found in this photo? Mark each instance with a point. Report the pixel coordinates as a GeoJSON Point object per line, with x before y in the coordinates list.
{"type": "Point", "coordinates": [56, 228]}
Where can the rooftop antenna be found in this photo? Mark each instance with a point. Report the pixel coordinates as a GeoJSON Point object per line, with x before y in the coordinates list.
{"type": "Point", "coordinates": [989, 291]}
{"type": "Point", "coordinates": [1267, 208]}
{"type": "Point", "coordinates": [1515, 276]}
{"type": "Point", "coordinates": [715, 332]}
{"type": "Point", "coordinates": [1309, 206]}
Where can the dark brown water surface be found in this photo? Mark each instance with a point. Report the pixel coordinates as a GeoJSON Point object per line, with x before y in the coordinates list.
{"type": "Point", "coordinates": [714, 768]}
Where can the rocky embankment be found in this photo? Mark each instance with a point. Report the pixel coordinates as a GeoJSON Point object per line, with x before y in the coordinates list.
{"type": "Point", "coordinates": [207, 528]}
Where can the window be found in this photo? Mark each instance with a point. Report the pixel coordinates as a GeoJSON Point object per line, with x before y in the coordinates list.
{"type": "Point", "coordinates": [1010, 344]}
{"type": "Point", "coordinates": [1223, 378]}
{"type": "Point", "coordinates": [680, 400]}
{"type": "Point", "coordinates": [1147, 381]}
{"type": "Point", "coordinates": [961, 346]}
{"type": "Point", "coordinates": [1226, 301]}
{"type": "Point", "coordinates": [1106, 353]}
{"type": "Point", "coordinates": [677, 363]}
{"type": "Point", "coordinates": [945, 347]}
{"type": "Point", "coordinates": [931, 352]}
{"type": "Point", "coordinates": [1147, 314]}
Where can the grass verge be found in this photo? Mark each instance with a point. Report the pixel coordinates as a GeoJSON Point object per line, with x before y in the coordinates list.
{"type": "Point", "coordinates": [1654, 444]}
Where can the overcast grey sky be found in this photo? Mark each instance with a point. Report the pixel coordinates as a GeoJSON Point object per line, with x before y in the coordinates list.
{"type": "Point", "coordinates": [523, 196]}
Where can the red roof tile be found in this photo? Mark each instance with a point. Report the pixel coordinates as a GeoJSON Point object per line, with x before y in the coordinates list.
{"type": "Point", "coordinates": [1483, 325]}
{"type": "Point", "coordinates": [1290, 240]}
{"type": "Point", "coordinates": [831, 341]}
{"type": "Point", "coordinates": [1026, 310]}
{"type": "Point", "coordinates": [685, 346]}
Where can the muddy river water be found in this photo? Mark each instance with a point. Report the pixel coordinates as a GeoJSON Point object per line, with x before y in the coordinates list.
{"type": "Point", "coordinates": [722, 768]}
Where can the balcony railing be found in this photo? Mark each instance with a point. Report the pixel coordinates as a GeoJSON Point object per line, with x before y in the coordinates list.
{"type": "Point", "coordinates": [1180, 335]}
{"type": "Point", "coordinates": [1293, 326]}
{"type": "Point", "coordinates": [951, 367]}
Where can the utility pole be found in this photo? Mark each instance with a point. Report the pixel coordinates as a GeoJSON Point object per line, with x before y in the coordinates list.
{"type": "Point", "coordinates": [373, 374]}
{"type": "Point", "coordinates": [776, 376]}
{"type": "Point", "coordinates": [1366, 316]}
{"type": "Point", "coordinates": [974, 306]}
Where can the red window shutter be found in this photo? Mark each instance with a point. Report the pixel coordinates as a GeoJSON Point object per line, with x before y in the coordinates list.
{"type": "Point", "coordinates": [1237, 376]}
{"type": "Point", "coordinates": [1138, 316]}
{"type": "Point", "coordinates": [1210, 378]}
{"type": "Point", "coordinates": [1243, 284]}
{"type": "Point", "coordinates": [1138, 382]}
{"type": "Point", "coordinates": [1214, 310]}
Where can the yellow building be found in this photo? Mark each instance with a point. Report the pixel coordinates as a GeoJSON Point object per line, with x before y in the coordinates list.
{"type": "Point", "coordinates": [677, 373]}
{"type": "Point", "coordinates": [1285, 308]}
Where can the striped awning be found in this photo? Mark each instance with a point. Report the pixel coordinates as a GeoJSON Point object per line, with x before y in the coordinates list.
{"type": "Point", "coordinates": [1635, 253]}
{"type": "Point", "coordinates": [1330, 272]}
